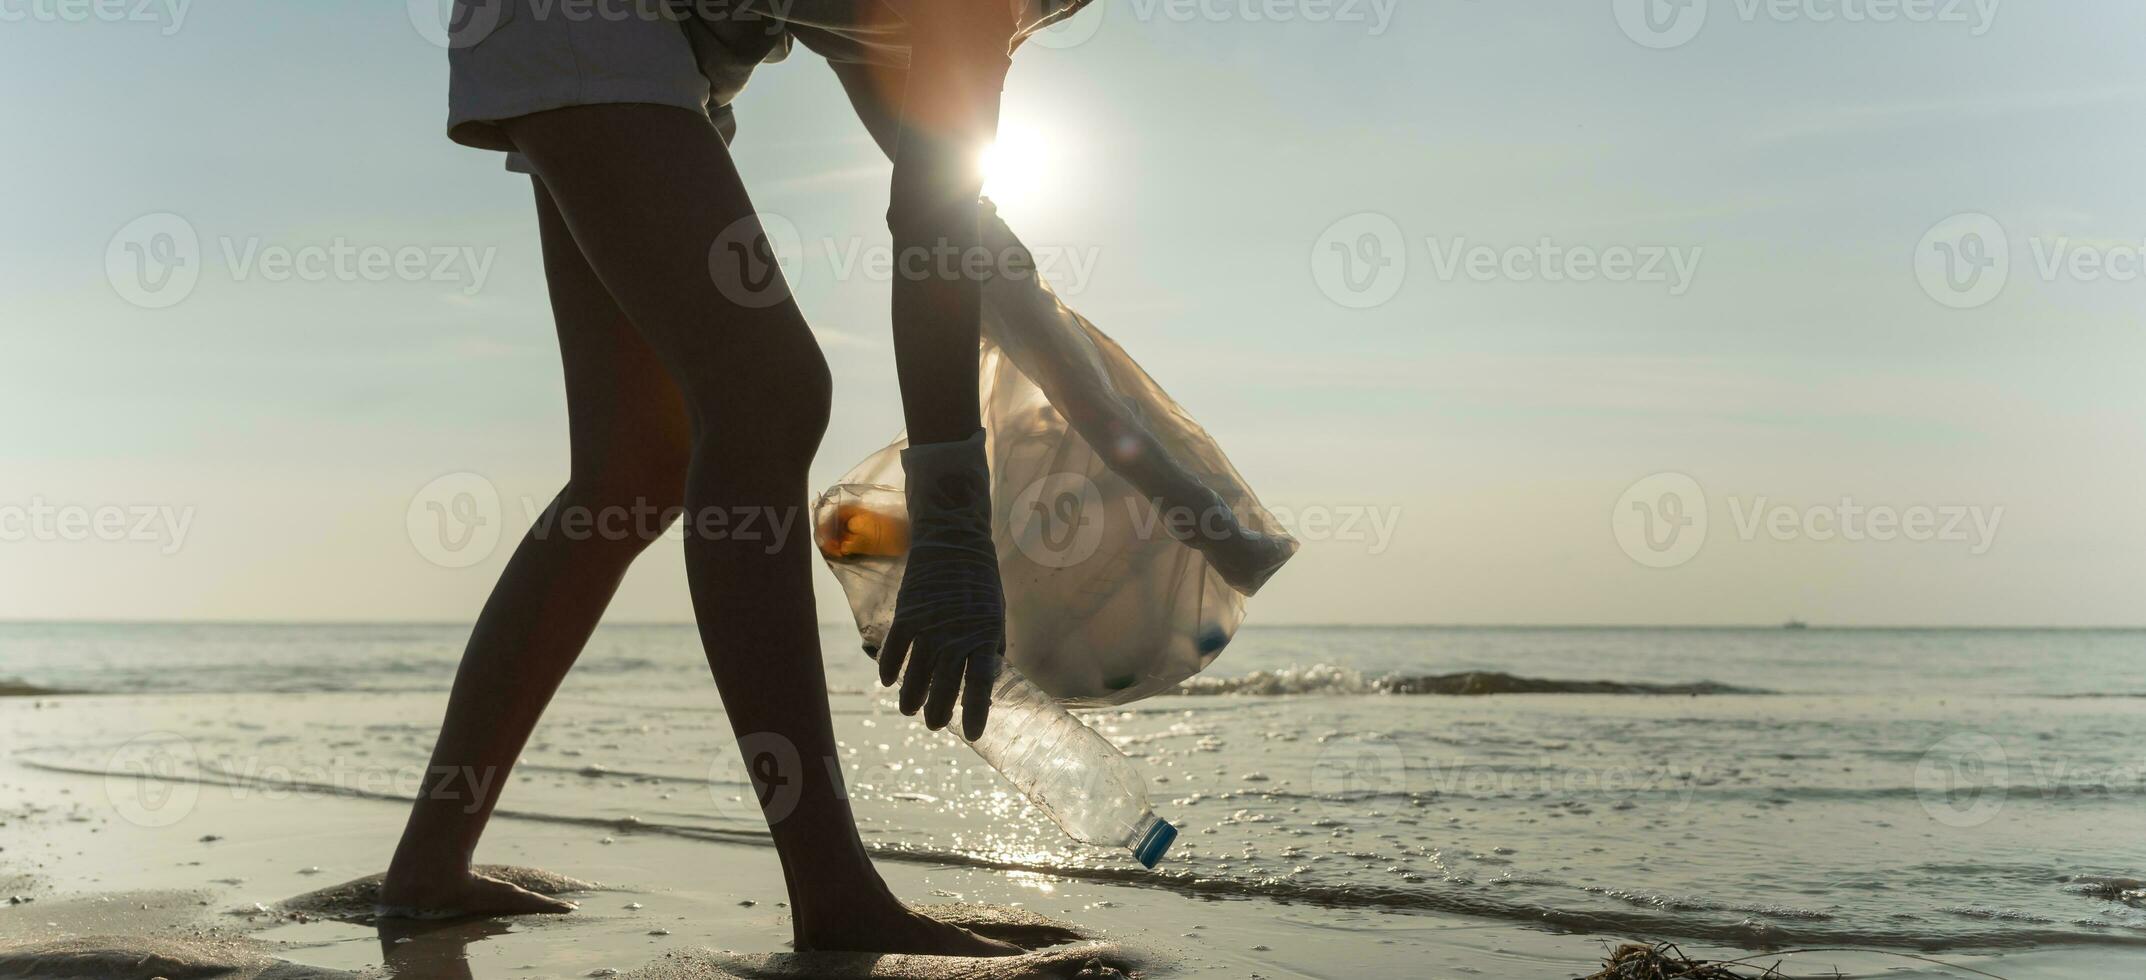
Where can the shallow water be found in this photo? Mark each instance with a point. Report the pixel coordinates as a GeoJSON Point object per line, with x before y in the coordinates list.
{"type": "Point", "coordinates": [1933, 790]}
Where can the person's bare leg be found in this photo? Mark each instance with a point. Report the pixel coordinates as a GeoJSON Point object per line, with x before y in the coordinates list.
{"type": "Point", "coordinates": [630, 442]}
{"type": "Point", "coordinates": [650, 194]}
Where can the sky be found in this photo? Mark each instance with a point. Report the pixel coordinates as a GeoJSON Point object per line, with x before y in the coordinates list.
{"type": "Point", "coordinates": [1522, 313]}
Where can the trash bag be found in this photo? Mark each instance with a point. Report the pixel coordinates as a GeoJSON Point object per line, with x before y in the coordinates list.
{"type": "Point", "coordinates": [1126, 540]}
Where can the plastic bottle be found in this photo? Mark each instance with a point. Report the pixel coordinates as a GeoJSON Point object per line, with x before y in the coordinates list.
{"type": "Point", "coordinates": [1079, 779]}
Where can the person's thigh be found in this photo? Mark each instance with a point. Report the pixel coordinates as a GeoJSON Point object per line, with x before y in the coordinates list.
{"type": "Point", "coordinates": [651, 196]}
{"type": "Point", "coordinates": [626, 418]}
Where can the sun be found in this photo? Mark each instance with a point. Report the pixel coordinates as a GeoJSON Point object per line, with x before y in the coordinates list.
{"type": "Point", "coordinates": [1018, 168]}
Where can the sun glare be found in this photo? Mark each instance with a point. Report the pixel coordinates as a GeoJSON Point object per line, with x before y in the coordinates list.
{"type": "Point", "coordinates": [1017, 168]}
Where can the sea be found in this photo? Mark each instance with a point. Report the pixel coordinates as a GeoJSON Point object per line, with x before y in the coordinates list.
{"type": "Point", "coordinates": [1924, 790]}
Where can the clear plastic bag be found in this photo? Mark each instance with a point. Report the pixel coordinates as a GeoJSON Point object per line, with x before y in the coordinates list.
{"type": "Point", "coordinates": [1126, 567]}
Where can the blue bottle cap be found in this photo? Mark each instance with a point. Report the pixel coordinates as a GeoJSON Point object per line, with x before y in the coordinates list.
{"type": "Point", "coordinates": [1157, 843]}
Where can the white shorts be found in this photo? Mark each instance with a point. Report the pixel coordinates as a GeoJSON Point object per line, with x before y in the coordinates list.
{"type": "Point", "coordinates": [510, 58]}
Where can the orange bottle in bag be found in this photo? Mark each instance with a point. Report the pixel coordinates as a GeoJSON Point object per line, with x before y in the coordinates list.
{"type": "Point", "coordinates": [849, 531]}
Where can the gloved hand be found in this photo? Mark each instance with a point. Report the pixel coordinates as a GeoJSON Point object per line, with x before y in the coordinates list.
{"type": "Point", "coordinates": [950, 614]}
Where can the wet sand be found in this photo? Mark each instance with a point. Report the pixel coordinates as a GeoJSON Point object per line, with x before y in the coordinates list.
{"type": "Point", "coordinates": [266, 884]}
{"type": "Point", "coordinates": [129, 872]}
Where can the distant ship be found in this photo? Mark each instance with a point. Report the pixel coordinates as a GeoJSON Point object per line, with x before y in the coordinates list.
{"type": "Point", "coordinates": [1795, 624]}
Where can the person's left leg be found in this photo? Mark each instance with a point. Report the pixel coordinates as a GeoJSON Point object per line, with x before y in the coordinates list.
{"type": "Point", "coordinates": [630, 444]}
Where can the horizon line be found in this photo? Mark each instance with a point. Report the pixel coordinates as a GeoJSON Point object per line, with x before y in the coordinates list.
{"type": "Point", "coordinates": [667, 624]}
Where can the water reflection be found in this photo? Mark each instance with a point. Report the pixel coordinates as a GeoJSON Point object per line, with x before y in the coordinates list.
{"type": "Point", "coordinates": [435, 950]}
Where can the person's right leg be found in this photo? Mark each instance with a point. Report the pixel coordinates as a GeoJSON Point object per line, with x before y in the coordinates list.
{"type": "Point", "coordinates": [653, 199]}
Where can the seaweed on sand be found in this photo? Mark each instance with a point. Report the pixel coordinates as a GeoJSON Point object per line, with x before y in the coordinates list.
{"type": "Point", "coordinates": [1664, 961]}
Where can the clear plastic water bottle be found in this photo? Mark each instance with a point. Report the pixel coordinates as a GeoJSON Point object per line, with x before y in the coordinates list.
{"type": "Point", "coordinates": [1073, 774]}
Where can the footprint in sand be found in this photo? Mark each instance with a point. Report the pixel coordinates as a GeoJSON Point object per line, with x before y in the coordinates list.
{"type": "Point", "coordinates": [357, 901]}
{"type": "Point", "coordinates": [1058, 951]}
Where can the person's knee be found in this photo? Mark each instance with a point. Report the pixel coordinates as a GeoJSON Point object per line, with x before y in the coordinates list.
{"type": "Point", "coordinates": [630, 498]}
{"type": "Point", "coordinates": [767, 414]}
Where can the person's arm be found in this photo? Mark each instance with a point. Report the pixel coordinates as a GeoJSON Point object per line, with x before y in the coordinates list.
{"type": "Point", "coordinates": [949, 115]}
{"type": "Point", "coordinates": [949, 616]}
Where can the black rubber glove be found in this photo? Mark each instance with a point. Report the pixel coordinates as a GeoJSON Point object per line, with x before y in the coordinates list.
{"type": "Point", "coordinates": [950, 615]}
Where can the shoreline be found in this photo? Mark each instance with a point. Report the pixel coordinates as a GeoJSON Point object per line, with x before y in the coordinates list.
{"type": "Point", "coordinates": [80, 842]}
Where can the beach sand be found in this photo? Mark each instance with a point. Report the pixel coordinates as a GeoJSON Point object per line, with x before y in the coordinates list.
{"type": "Point", "coordinates": [113, 866]}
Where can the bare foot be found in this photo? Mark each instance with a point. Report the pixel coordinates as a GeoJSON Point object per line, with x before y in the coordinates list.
{"type": "Point", "coordinates": [899, 930]}
{"type": "Point", "coordinates": [467, 894]}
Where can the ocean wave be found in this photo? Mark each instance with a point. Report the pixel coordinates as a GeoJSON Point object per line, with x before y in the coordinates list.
{"type": "Point", "coordinates": [2129, 891]}
{"type": "Point", "coordinates": [1327, 679]}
